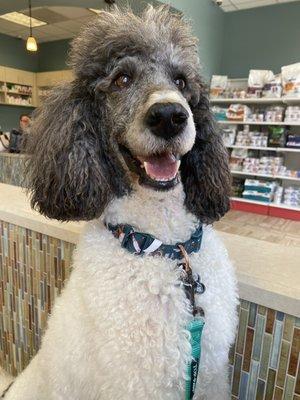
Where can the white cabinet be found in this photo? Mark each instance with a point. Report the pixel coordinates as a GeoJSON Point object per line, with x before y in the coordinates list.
{"type": "Point", "coordinates": [19, 76]}
{"type": "Point", "coordinates": [52, 78]}
{"type": "Point", "coordinates": [39, 82]}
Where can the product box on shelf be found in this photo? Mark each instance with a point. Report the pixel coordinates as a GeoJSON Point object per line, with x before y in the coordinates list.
{"type": "Point", "coordinates": [293, 141]}
{"type": "Point", "coordinates": [291, 80]}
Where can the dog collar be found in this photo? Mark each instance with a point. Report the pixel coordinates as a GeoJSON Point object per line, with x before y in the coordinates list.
{"type": "Point", "coordinates": [143, 243]}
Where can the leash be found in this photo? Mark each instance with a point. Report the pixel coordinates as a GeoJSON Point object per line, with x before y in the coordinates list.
{"type": "Point", "coordinates": [139, 243]}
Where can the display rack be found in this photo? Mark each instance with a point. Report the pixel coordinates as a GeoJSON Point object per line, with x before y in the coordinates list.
{"type": "Point", "coordinates": [267, 148]}
{"type": "Point", "coordinates": [267, 100]}
{"type": "Point", "coordinates": [259, 122]}
{"type": "Point", "coordinates": [291, 155]}
{"type": "Point", "coordinates": [17, 95]}
{"type": "Point", "coordinates": [17, 87]}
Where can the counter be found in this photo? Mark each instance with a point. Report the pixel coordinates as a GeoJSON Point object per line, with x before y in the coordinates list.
{"type": "Point", "coordinates": [36, 261]}
{"type": "Point", "coordinates": [267, 273]}
{"type": "Point", "coordinates": [12, 168]}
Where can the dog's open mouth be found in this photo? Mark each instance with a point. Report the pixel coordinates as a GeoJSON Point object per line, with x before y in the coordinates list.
{"type": "Point", "coordinates": [158, 171]}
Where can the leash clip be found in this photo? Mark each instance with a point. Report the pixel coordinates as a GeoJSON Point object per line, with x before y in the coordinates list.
{"type": "Point", "coordinates": [192, 283]}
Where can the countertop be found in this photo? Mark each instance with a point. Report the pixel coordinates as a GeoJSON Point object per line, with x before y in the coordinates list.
{"type": "Point", "coordinates": [265, 250]}
{"type": "Point", "coordinates": [15, 208]}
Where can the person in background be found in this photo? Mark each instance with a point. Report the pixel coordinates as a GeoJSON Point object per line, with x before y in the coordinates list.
{"type": "Point", "coordinates": [18, 136]}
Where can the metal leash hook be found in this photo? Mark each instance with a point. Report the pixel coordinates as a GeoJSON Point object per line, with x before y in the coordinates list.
{"type": "Point", "coordinates": [192, 283]}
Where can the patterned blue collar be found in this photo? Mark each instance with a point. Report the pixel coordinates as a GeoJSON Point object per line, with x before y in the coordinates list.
{"type": "Point", "coordinates": [143, 243]}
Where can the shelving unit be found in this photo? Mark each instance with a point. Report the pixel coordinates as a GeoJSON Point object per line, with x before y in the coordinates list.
{"type": "Point", "coordinates": [274, 205]}
{"type": "Point", "coordinates": [38, 82]}
{"type": "Point", "coordinates": [277, 149]}
{"type": "Point", "coordinates": [267, 100]}
{"type": "Point", "coordinates": [270, 209]}
{"type": "Point", "coordinates": [291, 155]}
{"type": "Point", "coordinates": [286, 178]}
{"type": "Point", "coordinates": [259, 123]}
{"type": "Point", "coordinates": [17, 87]}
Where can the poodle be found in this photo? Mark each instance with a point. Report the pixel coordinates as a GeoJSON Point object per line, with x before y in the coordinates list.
{"type": "Point", "coordinates": [131, 146]}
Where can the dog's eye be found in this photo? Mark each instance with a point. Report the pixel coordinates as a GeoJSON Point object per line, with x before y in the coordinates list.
{"type": "Point", "coordinates": [180, 83]}
{"type": "Point", "coordinates": [123, 81]}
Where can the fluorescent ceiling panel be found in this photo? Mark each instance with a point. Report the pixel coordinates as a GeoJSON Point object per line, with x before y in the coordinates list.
{"type": "Point", "coordinates": [22, 19]}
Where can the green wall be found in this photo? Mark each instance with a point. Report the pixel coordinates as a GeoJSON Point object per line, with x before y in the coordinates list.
{"type": "Point", "coordinates": [208, 22]}
{"type": "Point", "coordinates": [13, 54]}
{"type": "Point", "coordinates": [53, 55]}
{"type": "Point", "coordinates": [261, 38]}
{"type": "Point", "coordinates": [9, 116]}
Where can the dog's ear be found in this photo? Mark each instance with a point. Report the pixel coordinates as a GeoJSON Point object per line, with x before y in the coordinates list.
{"type": "Point", "coordinates": [205, 171]}
{"type": "Point", "coordinates": [72, 168]}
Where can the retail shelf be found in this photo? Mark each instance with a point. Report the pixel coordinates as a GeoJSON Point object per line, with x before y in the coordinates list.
{"type": "Point", "coordinates": [17, 105]}
{"type": "Point", "coordinates": [265, 204]}
{"type": "Point", "coordinates": [278, 149]}
{"type": "Point", "coordinates": [18, 93]}
{"type": "Point", "coordinates": [259, 123]}
{"type": "Point", "coordinates": [270, 100]}
{"type": "Point", "coordinates": [287, 178]}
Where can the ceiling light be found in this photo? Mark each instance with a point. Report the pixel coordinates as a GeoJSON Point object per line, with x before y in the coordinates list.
{"type": "Point", "coordinates": [94, 10]}
{"type": "Point", "coordinates": [31, 44]}
{"type": "Point", "coordinates": [22, 19]}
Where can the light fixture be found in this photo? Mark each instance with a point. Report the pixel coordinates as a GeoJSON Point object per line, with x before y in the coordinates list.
{"type": "Point", "coordinates": [31, 44]}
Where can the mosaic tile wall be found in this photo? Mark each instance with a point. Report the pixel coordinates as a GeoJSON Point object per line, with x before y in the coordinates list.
{"type": "Point", "coordinates": [11, 169]}
{"type": "Point", "coordinates": [33, 268]}
{"type": "Point", "coordinates": [265, 362]}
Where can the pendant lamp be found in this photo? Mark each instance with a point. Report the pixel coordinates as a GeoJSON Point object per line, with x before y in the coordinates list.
{"type": "Point", "coordinates": [31, 44]}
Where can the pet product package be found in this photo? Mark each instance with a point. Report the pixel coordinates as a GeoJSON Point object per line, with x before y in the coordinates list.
{"type": "Point", "coordinates": [274, 114]}
{"type": "Point", "coordinates": [238, 112]}
{"type": "Point", "coordinates": [229, 135]}
{"type": "Point", "coordinates": [293, 141]}
{"type": "Point", "coordinates": [218, 85]}
{"type": "Point", "coordinates": [272, 87]}
{"type": "Point", "coordinates": [291, 80]}
{"type": "Point", "coordinates": [237, 158]}
{"type": "Point", "coordinates": [292, 114]}
{"type": "Point", "coordinates": [276, 137]}
{"type": "Point", "coordinates": [257, 80]}
{"type": "Point", "coordinates": [259, 190]}
{"type": "Point", "coordinates": [220, 113]}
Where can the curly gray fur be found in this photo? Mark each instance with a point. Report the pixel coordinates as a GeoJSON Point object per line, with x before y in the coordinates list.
{"type": "Point", "coordinates": [76, 167]}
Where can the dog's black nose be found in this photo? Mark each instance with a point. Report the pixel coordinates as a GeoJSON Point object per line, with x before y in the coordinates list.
{"type": "Point", "coordinates": [166, 120]}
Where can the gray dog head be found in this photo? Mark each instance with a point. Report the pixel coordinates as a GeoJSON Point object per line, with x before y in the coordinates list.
{"type": "Point", "coordinates": [136, 114]}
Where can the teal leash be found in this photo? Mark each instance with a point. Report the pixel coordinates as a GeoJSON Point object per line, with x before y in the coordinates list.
{"type": "Point", "coordinates": [195, 328]}
{"type": "Point", "coordinates": [192, 285]}
{"type": "Point", "coordinates": [139, 243]}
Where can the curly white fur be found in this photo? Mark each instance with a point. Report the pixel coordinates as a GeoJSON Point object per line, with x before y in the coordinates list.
{"type": "Point", "coordinates": [118, 330]}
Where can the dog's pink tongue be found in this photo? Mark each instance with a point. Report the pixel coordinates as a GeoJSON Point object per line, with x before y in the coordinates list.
{"type": "Point", "coordinates": [162, 167]}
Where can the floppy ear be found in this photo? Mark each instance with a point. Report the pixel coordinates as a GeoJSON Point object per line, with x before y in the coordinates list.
{"type": "Point", "coordinates": [205, 171]}
{"type": "Point", "coordinates": [73, 169]}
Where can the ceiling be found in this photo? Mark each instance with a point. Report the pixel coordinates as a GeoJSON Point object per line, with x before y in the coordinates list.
{"type": "Point", "coordinates": [65, 22]}
{"type": "Point", "coordinates": [235, 5]}
{"type": "Point", "coordinates": [62, 23]}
